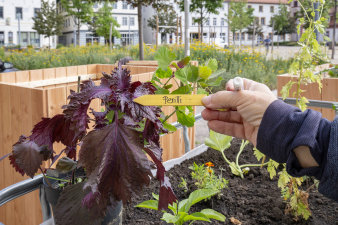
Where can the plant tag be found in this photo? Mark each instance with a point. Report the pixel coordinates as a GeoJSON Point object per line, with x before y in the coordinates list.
{"type": "Point", "coordinates": [172, 100]}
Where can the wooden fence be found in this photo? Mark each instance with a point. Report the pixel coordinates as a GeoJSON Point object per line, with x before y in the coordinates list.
{"type": "Point", "coordinates": [329, 91]}
{"type": "Point", "coordinates": [27, 96]}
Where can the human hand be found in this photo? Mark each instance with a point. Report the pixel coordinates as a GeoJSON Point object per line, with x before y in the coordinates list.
{"type": "Point", "coordinates": [245, 109]}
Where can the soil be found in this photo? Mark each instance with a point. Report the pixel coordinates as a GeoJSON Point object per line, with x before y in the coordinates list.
{"type": "Point", "coordinates": [253, 200]}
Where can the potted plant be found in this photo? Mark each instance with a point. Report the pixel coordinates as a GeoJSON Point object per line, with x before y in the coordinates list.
{"type": "Point", "coordinates": [112, 155]}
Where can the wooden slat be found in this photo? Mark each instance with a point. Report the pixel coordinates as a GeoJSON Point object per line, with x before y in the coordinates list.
{"type": "Point", "coordinates": [329, 93]}
{"type": "Point", "coordinates": [82, 70]}
{"type": "Point", "coordinates": [7, 77]}
{"type": "Point", "coordinates": [92, 69]}
{"type": "Point", "coordinates": [60, 72]}
{"type": "Point", "coordinates": [22, 76]}
{"type": "Point", "coordinates": [71, 71]}
{"type": "Point", "coordinates": [49, 73]}
{"type": "Point", "coordinates": [35, 75]}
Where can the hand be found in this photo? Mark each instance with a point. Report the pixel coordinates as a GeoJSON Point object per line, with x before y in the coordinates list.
{"type": "Point", "coordinates": [245, 109]}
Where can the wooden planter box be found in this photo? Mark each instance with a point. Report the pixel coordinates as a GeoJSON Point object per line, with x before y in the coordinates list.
{"type": "Point", "coordinates": [27, 96]}
{"type": "Point", "coordinates": [329, 91]}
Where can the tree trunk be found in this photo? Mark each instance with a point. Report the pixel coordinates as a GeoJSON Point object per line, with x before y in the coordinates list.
{"type": "Point", "coordinates": [49, 42]}
{"type": "Point", "coordinates": [253, 36]}
{"type": "Point", "coordinates": [334, 29]}
{"type": "Point", "coordinates": [140, 29]}
{"type": "Point", "coordinates": [202, 26]}
{"type": "Point", "coordinates": [78, 33]}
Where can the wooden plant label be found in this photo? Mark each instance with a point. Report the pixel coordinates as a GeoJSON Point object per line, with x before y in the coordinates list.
{"type": "Point", "coordinates": [170, 100]}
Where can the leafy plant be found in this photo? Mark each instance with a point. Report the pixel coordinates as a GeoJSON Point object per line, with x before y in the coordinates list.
{"type": "Point", "coordinates": [180, 210]}
{"type": "Point", "coordinates": [221, 142]}
{"type": "Point", "coordinates": [113, 153]}
{"type": "Point", "coordinates": [205, 177]}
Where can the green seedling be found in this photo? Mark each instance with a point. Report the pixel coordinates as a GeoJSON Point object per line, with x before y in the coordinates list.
{"type": "Point", "coordinates": [179, 211]}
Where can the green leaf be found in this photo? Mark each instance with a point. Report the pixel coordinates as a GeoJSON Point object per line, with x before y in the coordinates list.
{"type": "Point", "coordinates": [162, 91]}
{"type": "Point", "coordinates": [199, 195]}
{"type": "Point", "coordinates": [212, 64]}
{"type": "Point", "coordinates": [184, 119]}
{"type": "Point", "coordinates": [150, 204]}
{"type": "Point", "coordinates": [169, 218]}
{"type": "Point", "coordinates": [182, 74]}
{"type": "Point", "coordinates": [182, 205]}
{"type": "Point", "coordinates": [202, 91]}
{"type": "Point", "coordinates": [196, 216]}
{"type": "Point", "coordinates": [169, 127]}
{"type": "Point", "coordinates": [218, 141]}
{"type": "Point", "coordinates": [204, 72]}
{"type": "Point", "coordinates": [212, 214]}
{"type": "Point", "coordinates": [215, 82]}
{"type": "Point", "coordinates": [183, 62]}
{"type": "Point", "coordinates": [168, 86]}
{"type": "Point", "coordinates": [272, 166]}
{"type": "Point", "coordinates": [164, 57]}
{"type": "Point", "coordinates": [193, 75]}
{"type": "Point", "coordinates": [258, 154]}
{"type": "Point", "coordinates": [218, 73]}
{"type": "Point", "coordinates": [181, 90]}
{"type": "Point", "coordinates": [160, 73]}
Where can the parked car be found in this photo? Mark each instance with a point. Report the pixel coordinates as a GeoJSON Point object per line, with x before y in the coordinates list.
{"type": "Point", "coordinates": [6, 67]}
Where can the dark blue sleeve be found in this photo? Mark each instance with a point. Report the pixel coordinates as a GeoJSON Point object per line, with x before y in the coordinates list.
{"type": "Point", "coordinates": [285, 127]}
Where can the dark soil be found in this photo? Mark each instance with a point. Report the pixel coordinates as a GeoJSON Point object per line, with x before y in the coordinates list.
{"type": "Point", "coordinates": [253, 200]}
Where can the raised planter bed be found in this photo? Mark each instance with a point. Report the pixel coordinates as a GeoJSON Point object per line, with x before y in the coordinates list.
{"type": "Point", "coordinates": [253, 200]}
{"type": "Point", "coordinates": [27, 96]}
{"type": "Point", "coordinates": [329, 91]}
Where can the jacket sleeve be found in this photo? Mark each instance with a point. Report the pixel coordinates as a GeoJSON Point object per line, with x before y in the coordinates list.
{"type": "Point", "coordinates": [285, 127]}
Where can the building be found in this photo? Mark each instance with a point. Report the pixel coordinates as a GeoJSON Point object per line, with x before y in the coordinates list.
{"type": "Point", "coordinates": [125, 15]}
{"type": "Point", "coordinates": [329, 31]}
{"type": "Point", "coordinates": [216, 28]}
{"type": "Point", "coordinates": [16, 21]}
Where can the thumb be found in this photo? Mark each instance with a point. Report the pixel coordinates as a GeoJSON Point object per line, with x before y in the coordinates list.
{"type": "Point", "coordinates": [226, 99]}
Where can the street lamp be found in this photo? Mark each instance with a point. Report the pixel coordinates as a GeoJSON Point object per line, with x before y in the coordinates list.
{"type": "Point", "coordinates": [18, 17]}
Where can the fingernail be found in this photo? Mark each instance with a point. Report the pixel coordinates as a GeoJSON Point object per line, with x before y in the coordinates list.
{"type": "Point", "coordinates": [206, 100]}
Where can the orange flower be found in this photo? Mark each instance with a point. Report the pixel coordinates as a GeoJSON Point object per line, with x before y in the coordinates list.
{"type": "Point", "coordinates": [209, 164]}
{"type": "Point", "coordinates": [210, 171]}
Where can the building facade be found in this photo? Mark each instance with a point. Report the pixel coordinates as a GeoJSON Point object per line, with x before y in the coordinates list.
{"type": "Point", "coordinates": [16, 24]}
{"type": "Point", "coordinates": [123, 13]}
{"type": "Point", "coordinates": [215, 29]}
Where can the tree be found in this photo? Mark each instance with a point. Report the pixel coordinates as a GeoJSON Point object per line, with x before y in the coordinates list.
{"type": "Point", "coordinates": [282, 22]}
{"type": "Point", "coordinates": [202, 8]}
{"type": "Point", "coordinates": [168, 18]}
{"type": "Point", "coordinates": [47, 21]}
{"type": "Point", "coordinates": [240, 17]}
{"type": "Point", "coordinates": [102, 21]}
{"type": "Point", "coordinates": [255, 29]}
{"type": "Point", "coordinates": [81, 11]}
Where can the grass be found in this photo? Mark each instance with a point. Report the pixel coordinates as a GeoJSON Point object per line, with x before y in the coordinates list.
{"type": "Point", "coordinates": [244, 62]}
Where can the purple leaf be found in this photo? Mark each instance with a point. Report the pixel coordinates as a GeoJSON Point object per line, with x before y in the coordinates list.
{"type": "Point", "coordinates": [181, 64]}
{"type": "Point", "coordinates": [115, 163]}
{"type": "Point", "coordinates": [27, 156]}
{"type": "Point", "coordinates": [100, 119]}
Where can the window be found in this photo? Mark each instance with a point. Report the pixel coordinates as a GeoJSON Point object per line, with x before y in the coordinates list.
{"type": "Point", "coordinates": [270, 36]}
{"type": "Point", "coordinates": [260, 8]}
{"type": "Point", "coordinates": [124, 21]}
{"type": "Point", "coordinates": [222, 36]}
{"type": "Point", "coordinates": [213, 35]}
{"type": "Point", "coordinates": [115, 18]}
{"type": "Point", "coordinates": [1, 12]}
{"type": "Point", "coordinates": [114, 5]}
{"type": "Point", "coordinates": [34, 39]}
{"type": "Point", "coordinates": [237, 36]}
{"type": "Point", "coordinates": [272, 9]}
{"type": "Point", "coordinates": [214, 22]}
{"type": "Point", "coordinates": [36, 10]}
{"type": "Point", "coordinates": [131, 7]}
{"type": "Point", "coordinates": [295, 4]}
{"type": "Point", "coordinates": [249, 36]}
{"type": "Point", "coordinates": [256, 20]}
{"type": "Point", "coordinates": [249, 6]}
{"type": "Point", "coordinates": [243, 36]}
{"type": "Point", "coordinates": [132, 21]}
{"type": "Point", "coordinates": [10, 37]}
{"type": "Point", "coordinates": [124, 5]}
{"type": "Point", "coordinates": [282, 37]}
{"type": "Point", "coordinates": [2, 38]}
{"type": "Point", "coordinates": [263, 21]}
{"type": "Point", "coordinates": [208, 22]}
{"type": "Point", "coordinates": [18, 12]}
{"type": "Point", "coordinates": [222, 22]}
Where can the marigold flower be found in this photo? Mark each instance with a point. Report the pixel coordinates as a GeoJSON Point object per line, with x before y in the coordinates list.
{"type": "Point", "coordinates": [209, 164]}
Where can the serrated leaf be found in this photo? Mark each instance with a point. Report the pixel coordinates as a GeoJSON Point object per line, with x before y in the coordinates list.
{"type": "Point", "coordinates": [212, 64]}
{"type": "Point", "coordinates": [204, 72]}
{"type": "Point", "coordinates": [199, 195]}
{"type": "Point", "coordinates": [162, 91]}
{"type": "Point", "coordinates": [150, 204]}
{"type": "Point", "coordinates": [272, 166]}
{"type": "Point", "coordinates": [185, 119]}
{"type": "Point", "coordinates": [218, 141]}
{"type": "Point", "coordinates": [193, 75]}
{"type": "Point", "coordinates": [258, 154]}
{"type": "Point", "coordinates": [164, 57]}
{"type": "Point", "coordinates": [160, 73]}
{"type": "Point", "coordinates": [214, 82]}
{"type": "Point", "coordinates": [202, 91]}
{"type": "Point", "coordinates": [169, 218]}
{"type": "Point", "coordinates": [183, 74]}
{"type": "Point", "coordinates": [212, 214]}
{"type": "Point", "coordinates": [169, 127]}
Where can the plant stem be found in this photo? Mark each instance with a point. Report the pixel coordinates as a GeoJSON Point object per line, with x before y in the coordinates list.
{"type": "Point", "coordinates": [54, 178]}
{"type": "Point", "coordinates": [253, 165]}
{"type": "Point", "coordinates": [167, 117]}
{"type": "Point", "coordinates": [167, 81]}
{"type": "Point", "coordinates": [43, 174]}
{"type": "Point", "coordinates": [263, 160]}
{"type": "Point", "coordinates": [225, 158]}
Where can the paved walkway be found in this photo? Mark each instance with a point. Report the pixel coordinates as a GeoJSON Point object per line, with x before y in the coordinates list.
{"type": "Point", "coordinates": [201, 128]}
